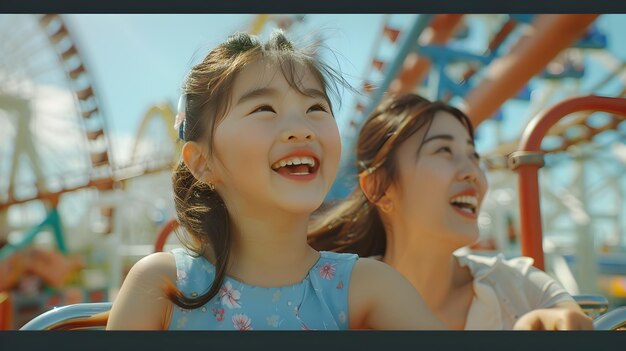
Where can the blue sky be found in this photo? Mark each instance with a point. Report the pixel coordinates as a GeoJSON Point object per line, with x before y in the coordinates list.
{"type": "Point", "coordinates": [139, 60]}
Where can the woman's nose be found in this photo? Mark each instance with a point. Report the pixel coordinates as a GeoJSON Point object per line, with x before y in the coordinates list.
{"type": "Point", "coordinates": [470, 170]}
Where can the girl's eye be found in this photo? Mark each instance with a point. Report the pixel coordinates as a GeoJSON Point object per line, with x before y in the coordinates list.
{"type": "Point", "coordinates": [317, 107]}
{"type": "Point", "coordinates": [264, 108]}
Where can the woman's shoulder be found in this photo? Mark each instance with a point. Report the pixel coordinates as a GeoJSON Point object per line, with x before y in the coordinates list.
{"type": "Point", "coordinates": [484, 265]}
{"type": "Point", "coordinates": [369, 271]}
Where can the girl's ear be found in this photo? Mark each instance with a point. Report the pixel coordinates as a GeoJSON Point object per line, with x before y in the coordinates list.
{"type": "Point", "coordinates": [198, 163]}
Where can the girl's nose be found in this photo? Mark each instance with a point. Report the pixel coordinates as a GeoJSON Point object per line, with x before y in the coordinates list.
{"type": "Point", "coordinates": [298, 136]}
{"type": "Point", "coordinates": [297, 132]}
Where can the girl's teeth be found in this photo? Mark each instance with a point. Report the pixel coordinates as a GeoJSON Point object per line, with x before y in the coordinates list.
{"type": "Point", "coordinates": [294, 161]}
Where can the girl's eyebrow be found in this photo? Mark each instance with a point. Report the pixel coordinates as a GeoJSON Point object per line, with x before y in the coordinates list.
{"type": "Point", "coordinates": [445, 137]}
{"type": "Point", "coordinates": [315, 93]}
{"type": "Point", "coordinates": [256, 93]}
{"type": "Point", "coordinates": [263, 92]}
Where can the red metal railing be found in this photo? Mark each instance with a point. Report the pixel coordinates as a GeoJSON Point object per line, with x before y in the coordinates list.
{"type": "Point", "coordinates": [164, 233]}
{"type": "Point", "coordinates": [529, 158]}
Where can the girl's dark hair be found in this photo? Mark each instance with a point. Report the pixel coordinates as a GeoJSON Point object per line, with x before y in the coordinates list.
{"type": "Point", "coordinates": [208, 88]}
{"type": "Point", "coordinates": [354, 225]}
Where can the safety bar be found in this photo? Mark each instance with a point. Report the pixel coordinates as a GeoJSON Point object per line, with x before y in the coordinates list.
{"type": "Point", "coordinates": [612, 320]}
{"type": "Point", "coordinates": [592, 305]}
{"type": "Point", "coordinates": [78, 316]}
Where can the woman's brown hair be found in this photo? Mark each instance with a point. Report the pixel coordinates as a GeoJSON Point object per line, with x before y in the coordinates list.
{"type": "Point", "coordinates": [208, 88]}
{"type": "Point", "coordinates": [354, 224]}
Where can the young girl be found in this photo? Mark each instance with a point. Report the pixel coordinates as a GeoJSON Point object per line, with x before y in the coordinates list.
{"type": "Point", "coordinates": [420, 191]}
{"type": "Point", "coordinates": [262, 150]}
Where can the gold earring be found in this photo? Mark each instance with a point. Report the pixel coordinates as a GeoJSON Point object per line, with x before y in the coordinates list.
{"type": "Point", "coordinates": [386, 207]}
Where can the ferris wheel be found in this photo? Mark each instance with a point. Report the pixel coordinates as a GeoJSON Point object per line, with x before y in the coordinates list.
{"type": "Point", "coordinates": [53, 130]}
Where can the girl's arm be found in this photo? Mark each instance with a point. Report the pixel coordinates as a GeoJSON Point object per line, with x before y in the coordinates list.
{"type": "Point", "coordinates": [141, 303]}
{"type": "Point", "coordinates": [381, 298]}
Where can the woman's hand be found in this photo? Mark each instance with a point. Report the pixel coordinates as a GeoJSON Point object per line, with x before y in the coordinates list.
{"type": "Point", "coordinates": [554, 319]}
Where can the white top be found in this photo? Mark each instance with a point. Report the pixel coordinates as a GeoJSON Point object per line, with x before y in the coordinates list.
{"type": "Point", "coordinates": [504, 290]}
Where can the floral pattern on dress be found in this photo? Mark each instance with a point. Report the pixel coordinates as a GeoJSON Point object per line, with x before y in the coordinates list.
{"type": "Point", "coordinates": [218, 313]}
{"type": "Point", "coordinates": [181, 323]}
{"type": "Point", "coordinates": [229, 296]}
{"type": "Point", "coordinates": [304, 326]}
{"type": "Point", "coordinates": [242, 322]}
{"type": "Point", "coordinates": [342, 317]}
{"type": "Point", "coordinates": [327, 271]}
{"type": "Point", "coordinates": [182, 275]}
{"type": "Point", "coordinates": [276, 296]}
{"type": "Point", "coordinates": [273, 320]}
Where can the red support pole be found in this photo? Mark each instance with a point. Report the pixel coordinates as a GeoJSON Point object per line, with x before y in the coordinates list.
{"type": "Point", "coordinates": [6, 311]}
{"type": "Point", "coordinates": [164, 233]}
{"type": "Point", "coordinates": [528, 159]}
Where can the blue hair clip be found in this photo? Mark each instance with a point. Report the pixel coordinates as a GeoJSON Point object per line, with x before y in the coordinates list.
{"type": "Point", "coordinates": [181, 116]}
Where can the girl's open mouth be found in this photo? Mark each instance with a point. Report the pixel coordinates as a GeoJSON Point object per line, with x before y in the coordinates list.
{"type": "Point", "coordinates": [297, 167]}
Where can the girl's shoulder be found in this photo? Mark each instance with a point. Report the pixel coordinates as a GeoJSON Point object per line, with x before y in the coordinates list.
{"type": "Point", "coordinates": [155, 265]}
{"type": "Point", "coordinates": [141, 302]}
{"type": "Point", "coordinates": [337, 256]}
{"type": "Point", "coordinates": [152, 272]}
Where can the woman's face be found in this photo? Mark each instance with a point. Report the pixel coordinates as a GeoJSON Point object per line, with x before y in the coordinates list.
{"type": "Point", "coordinates": [439, 190]}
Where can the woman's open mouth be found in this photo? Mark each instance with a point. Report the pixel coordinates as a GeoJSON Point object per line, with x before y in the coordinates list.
{"type": "Point", "coordinates": [466, 205]}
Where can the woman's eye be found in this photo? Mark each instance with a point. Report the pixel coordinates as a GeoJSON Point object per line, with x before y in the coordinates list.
{"type": "Point", "coordinates": [444, 149]}
{"type": "Point", "coordinates": [317, 107]}
{"type": "Point", "coordinates": [263, 108]}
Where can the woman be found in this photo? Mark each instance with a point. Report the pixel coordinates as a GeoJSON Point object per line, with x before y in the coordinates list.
{"type": "Point", "coordinates": [420, 191]}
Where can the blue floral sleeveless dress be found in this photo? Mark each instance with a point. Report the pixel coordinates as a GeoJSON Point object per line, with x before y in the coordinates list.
{"type": "Point", "coordinates": [318, 302]}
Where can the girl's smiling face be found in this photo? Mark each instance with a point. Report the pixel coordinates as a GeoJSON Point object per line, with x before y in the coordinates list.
{"type": "Point", "coordinates": [275, 147]}
{"type": "Point", "coordinates": [440, 185]}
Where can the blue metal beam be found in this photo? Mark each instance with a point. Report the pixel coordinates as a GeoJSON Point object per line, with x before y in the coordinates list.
{"type": "Point", "coordinates": [406, 45]}
{"type": "Point", "coordinates": [347, 173]}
